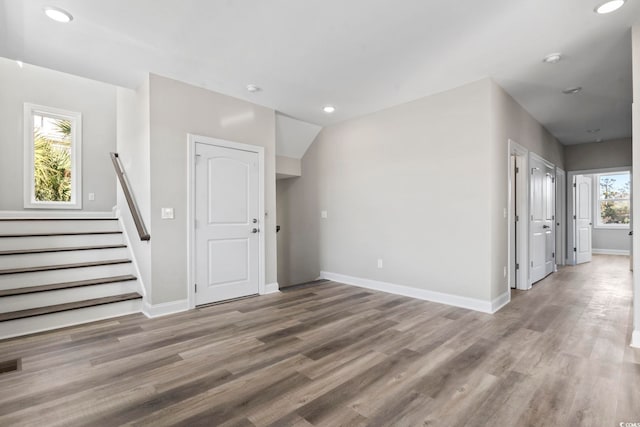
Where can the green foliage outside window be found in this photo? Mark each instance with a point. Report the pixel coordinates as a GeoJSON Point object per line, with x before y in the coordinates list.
{"type": "Point", "coordinates": [52, 163]}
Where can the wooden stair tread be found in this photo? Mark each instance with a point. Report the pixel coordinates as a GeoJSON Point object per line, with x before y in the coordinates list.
{"type": "Point", "coordinates": [59, 219]}
{"type": "Point", "coordinates": [62, 249]}
{"type": "Point", "coordinates": [71, 233]}
{"type": "Point", "coordinates": [63, 266]}
{"type": "Point", "coordinates": [21, 314]}
{"type": "Point", "coordinates": [66, 285]}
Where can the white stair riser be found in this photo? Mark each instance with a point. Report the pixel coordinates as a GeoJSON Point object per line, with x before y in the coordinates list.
{"type": "Point", "coordinates": [56, 258]}
{"type": "Point", "coordinates": [21, 280]}
{"type": "Point", "coordinates": [18, 243]}
{"type": "Point", "coordinates": [44, 226]}
{"type": "Point", "coordinates": [47, 322]}
{"type": "Point", "coordinates": [43, 299]}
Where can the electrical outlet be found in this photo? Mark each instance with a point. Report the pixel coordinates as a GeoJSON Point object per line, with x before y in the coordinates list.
{"type": "Point", "coordinates": [166, 213]}
{"type": "Point", "coordinates": [379, 263]}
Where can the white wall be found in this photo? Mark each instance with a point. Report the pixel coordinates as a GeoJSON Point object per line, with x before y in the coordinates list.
{"type": "Point", "coordinates": [510, 121]}
{"type": "Point", "coordinates": [133, 145]}
{"type": "Point", "coordinates": [97, 103]}
{"type": "Point", "coordinates": [177, 109]}
{"type": "Point", "coordinates": [636, 184]}
{"type": "Point", "coordinates": [408, 185]}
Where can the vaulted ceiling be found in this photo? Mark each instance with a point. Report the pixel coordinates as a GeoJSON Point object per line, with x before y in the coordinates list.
{"type": "Point", "coordinates": [358, 55]}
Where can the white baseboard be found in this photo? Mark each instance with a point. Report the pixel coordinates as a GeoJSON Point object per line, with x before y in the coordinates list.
{"type": "Point", "coordinates": [610, 252]}
{"type": "Point", "coordinates": [271, 288]}
{"type": "Point", "coordinates": [635, 339]}
{"type": "Point", "coordinates": [501, 301]}
{"type": "Point", "coordinates": [423, 294]}
{"type": "Point", "coordinates": [165, 308]}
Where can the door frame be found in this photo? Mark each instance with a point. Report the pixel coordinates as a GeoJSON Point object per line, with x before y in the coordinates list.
{"type": "Point", "coordinates": [571, 231]}
{"type": "Point", "coordinates": [521, 181]}
{"type": "Point", "coordinates": [561, 217]}
{"type": "Point", "coordinates": [192, 140]}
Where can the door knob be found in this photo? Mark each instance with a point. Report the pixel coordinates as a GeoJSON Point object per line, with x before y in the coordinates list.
{"type": "Point", "coordinates": [255, 230]}
{"type": "Point", "coordinates": [546, 226]}
{"type": "Point", "coordinates": [255, 220]}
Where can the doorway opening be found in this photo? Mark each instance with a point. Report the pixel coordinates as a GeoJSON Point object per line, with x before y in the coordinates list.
{"type": "Point", "coordinates": [600, 213]}
{"type": "Point", "coordinates": [518, 212]}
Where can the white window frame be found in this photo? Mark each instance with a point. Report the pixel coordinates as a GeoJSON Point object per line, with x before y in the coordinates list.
{"type": "Point", "coordinates": [75, 118]}
{"type": "Point", "coordinates": [596, 205]}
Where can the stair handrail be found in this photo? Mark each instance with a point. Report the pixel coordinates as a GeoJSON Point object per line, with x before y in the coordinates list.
{"type": "Point", "coordinates": [126, 189]}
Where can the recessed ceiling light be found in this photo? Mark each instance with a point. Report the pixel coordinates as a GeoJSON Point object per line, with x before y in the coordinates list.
{"type": "Point", "coordinates": [253, 88]}
{"type": "Point", "coordinates": [572, 90]}
{"type": "Point", "coordinates": [57, 14]}
{"type": "Point", "coordinates": [610, 6]}
{"type": "Point", "coordinates": [20, 64]}
{"type": "Point", "coordinates": [329, 109]}
{"type": "Point", "coordinates": [593, 130]}
{"type": "Point", "coordinates": [599, 140]}
{"type": "Point", "coordinates": [552, 58]}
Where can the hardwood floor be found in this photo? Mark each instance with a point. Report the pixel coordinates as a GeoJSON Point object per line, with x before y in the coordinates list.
{"type": "Point", "coordinates": [331, 354]}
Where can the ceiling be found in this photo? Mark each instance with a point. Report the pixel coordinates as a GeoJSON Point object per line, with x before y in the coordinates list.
{"type": "Point", "coordinates": [359, 55]}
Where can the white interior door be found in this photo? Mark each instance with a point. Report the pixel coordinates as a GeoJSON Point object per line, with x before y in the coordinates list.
{"type": "Point", "coordinates": [542, 231]}
{"type": "Point", "coordinates": [583, 217]}
{"type": "Point", "coordinates": [226, 223]}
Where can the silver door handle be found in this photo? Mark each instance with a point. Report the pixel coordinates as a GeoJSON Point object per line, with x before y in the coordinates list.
{"type": "Point", "coordinates": [255, 230]}
{"type": "Point", "coordinates": [546, 226]}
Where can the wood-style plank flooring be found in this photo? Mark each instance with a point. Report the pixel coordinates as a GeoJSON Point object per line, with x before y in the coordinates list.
{"type": "Point", "coordinates": [332, 355]}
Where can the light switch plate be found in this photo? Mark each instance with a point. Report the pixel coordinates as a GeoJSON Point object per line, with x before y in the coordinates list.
{"type": "Point", "coordinates": [92, 196]}
{"type": "Point", "coordinates": [323, 214]}
{"type": "Point", "coordinates": [166, 213]}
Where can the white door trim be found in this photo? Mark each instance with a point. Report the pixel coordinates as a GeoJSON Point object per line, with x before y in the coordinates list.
{"type": "Point", "coordinates": [522, 183]}
{"type": "Point", "coordinates": [191, 180]}
{"type": "Point", "coordinates": [561, 217]}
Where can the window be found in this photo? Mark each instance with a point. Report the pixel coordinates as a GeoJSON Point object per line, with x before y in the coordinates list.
{"type": "Point", "coordinates": [52, 158]}
{"type": "Point", "coordinates": [614, 190]}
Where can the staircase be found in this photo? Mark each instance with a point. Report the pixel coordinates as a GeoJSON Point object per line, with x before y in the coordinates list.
{"type": "Point", "coordinates": [62, 271]}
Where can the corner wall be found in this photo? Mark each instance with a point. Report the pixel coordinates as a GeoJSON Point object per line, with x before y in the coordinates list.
{"type": "Point", "coordinates": [510, 121]}
{"type": "Point", "coordinates": [97, 103]}
{"type": "Point", "coordinates": [133, 147]}
{"type": "Point", "coordinates": [177, 109]}
{"type": "Point", "coordinates": [407, 185]}
{"type": "Point", "coordinates": [636, 185]}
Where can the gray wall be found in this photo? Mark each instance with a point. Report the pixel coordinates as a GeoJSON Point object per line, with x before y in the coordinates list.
{"type": "Point", "coordinates": [177, 109]}
{"type": "Point", "coordinates": [608, 154]}
{"type": "Point", "coordinates": [510, 121]}
{"type": "Point", "coordinates": [97, 103]}
{"type": "Point", "coordinates": [133, 143]}
{"type": "Point", "coordinates": [409, 185]}
{"type": "Point", "coordinates": [616, 240]}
